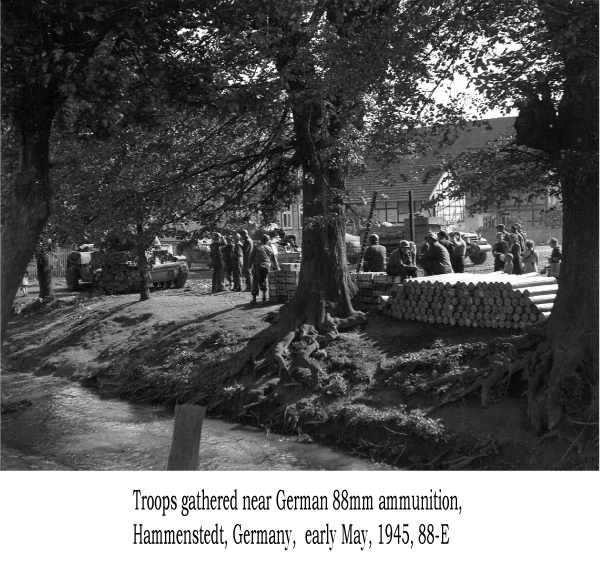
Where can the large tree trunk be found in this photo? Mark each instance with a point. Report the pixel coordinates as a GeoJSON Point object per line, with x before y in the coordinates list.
{"type": "Point", "coordinates": [563, 371]}
{"type": "Point", "coordinates": [28, 207]}
{"type": "Point", "coordinates": [322, 303]}
{"type": "Point", "coordinates": [44, 277]}
{"type": "Point", "coordinates": [569, 381]}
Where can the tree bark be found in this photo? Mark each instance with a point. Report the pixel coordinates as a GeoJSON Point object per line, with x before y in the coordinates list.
{"type": "Point", "coordinates": [322, 303]}
{"type": "Point", "coordinates": [29, 200]}
{"type": "Point", "coordinates": [563, 371]}
{"type": "Point", "coordinates": [44, 277]}
{"type": "Point", "coordinates": [144, 267]}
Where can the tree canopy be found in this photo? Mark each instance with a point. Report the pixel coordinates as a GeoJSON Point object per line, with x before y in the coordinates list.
{"type": "Point", "coordinates": [304, 85]}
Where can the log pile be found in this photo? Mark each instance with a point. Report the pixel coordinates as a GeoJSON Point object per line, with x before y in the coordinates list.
{"type": "Point", "coordinates": [487, 300]}
{"type": "Point", "coordinates": [283, 283]}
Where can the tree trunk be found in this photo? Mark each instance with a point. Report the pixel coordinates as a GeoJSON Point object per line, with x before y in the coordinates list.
{"type": "Point", "coordinates": [144, 268]}
{"type": "Point", "coordinates": [44, 277]}
{"type": "Point", "coordinates": [28, 205]}
{"type": "Point", "coordinates": [322, 303]}
{"type": "Point", "coordinates": [563, 371]}
{"type": "Point", "coordinates": [571, 382]}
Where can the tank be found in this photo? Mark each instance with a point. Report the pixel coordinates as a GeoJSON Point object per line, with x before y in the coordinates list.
{"type": "Point", "coordinates": [118, 270]}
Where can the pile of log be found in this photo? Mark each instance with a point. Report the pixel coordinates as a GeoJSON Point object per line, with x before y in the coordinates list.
{"type": "Point", "coordinates": [486, 300]}
{"type": "Point", "coordinates": [283, 283]}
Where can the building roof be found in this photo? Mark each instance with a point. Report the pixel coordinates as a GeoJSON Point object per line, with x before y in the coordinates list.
{"type": "Point", "coordinates": [396, 179]}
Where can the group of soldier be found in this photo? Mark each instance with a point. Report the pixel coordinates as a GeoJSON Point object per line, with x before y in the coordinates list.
{"type": "Point", "coordinates": [444, 253]}
{"type": "Point", "coordinates": [441, 253]}
{"type": "Point", "coordinates": [237, 256]}
{"type": "Point", "coordinates": [515, 254]}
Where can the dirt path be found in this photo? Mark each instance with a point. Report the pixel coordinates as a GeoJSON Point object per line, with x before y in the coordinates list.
{"type": "Point", "coordinates": [179, 344]}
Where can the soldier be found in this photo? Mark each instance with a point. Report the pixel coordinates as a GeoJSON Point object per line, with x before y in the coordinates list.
{"type": "Point", "coordinates": [260, 260]}
{"type": "Point", "coordinates": [436, 260]}
{"type": "Point", "coordinates": [238, 262]}
{"type": "Point", "coordinates": [499, 251]}
{"type": "Point", "coordinates": [374, 260]}
{"type": "Point", "coordinates": [218, 263]}
{"type": "Point", "coordinates": [229, 260]}
{"type": "Point", "coordinates": [459, 251]}
{"type": "Point", "coordinates": [248, 247]}
{"type": "Point", "coordinates": [402, 262]}
{"type": "Point", "coordinates": [444, 240]}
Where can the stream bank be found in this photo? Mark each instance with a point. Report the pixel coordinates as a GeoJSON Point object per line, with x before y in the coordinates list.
{"type": "Point", "coordinates": [180, 343]}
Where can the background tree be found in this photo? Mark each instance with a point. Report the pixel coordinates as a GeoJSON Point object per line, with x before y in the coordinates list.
{"type": "Point", "coordinates": [194, 165]}
{"type": "Point", "coordinates": [57, 51]}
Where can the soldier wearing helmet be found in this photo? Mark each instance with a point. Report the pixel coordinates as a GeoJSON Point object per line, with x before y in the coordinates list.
{"type": "Point", "coordinates": [402, 262]}
{"type": "Point", "coordinates": [375, 256]}
{"type": "Point", "coordinates": [260, 260]}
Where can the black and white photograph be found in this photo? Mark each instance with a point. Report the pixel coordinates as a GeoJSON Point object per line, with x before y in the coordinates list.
{"type": "Point", "coordinates": [257, 237]}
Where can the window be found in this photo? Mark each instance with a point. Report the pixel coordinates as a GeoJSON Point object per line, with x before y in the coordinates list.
{"type": "Point", "coordinates": [300, 216]}
{"type": "Point", "coordinates": [386, 211]}
{"type": "Point", "coordinates": [392, 212]}
{"type": "Point", "coordinates": [403, 207]}
{"type": "Point", "coordinates": [489, 221]}
{"type": "Point", "coordinates": [286, 219]}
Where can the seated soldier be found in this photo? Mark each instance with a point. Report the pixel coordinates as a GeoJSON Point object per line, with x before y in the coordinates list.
{"type": "Point", "coordinates": [375, 256]}
{"type": "Point", "coordinates": [402, 262]}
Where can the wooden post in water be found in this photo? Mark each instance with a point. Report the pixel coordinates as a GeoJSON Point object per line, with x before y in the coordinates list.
{"type": "Point", "coordinates": [187, 431]}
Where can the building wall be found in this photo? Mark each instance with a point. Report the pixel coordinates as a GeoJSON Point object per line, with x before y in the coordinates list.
{"type": "Point", "coordinates": [291, 221]}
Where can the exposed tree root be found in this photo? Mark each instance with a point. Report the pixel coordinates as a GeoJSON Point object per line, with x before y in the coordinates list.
{"type": "Point", "coordinates": [447, 379]}
{"type": "Point", "coordinates": [308, 330]}
{"type": "Point", "coordinates": [460, 463]}
{"type": "Point", "coordinates": [38, 306]}
{"type": "Point", "coordinates": [558, 380]}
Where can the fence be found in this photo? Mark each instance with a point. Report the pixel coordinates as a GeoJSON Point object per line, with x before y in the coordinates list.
{"type": "Point", "coordinates": [58, 261]}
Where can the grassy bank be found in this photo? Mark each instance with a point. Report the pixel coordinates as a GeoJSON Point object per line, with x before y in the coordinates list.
{"type": "Point", "coordinates": [380, 395]}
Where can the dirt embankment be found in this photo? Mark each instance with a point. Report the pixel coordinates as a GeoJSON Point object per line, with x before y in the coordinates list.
{"type": "Point", "coordinates": [379, 397]}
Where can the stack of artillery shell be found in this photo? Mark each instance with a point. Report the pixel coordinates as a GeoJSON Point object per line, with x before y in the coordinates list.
{"type": "Point", "coordinates": [486, 300]}
{"type": "Point", "coordinates": [283, 284]}
{"type": "Point", "coordinates": [371, 286]}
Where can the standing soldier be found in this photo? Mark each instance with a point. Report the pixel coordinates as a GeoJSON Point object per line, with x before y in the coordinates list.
{"type": "Point", "coordinates": [248, 248]}
{"type": "Point", "coordinates": [238, 261]}
{"type": "Point", "coordinates": [555, 258]}
{"type": "Point", "coordinates": [520, 239]}
{"type": "Point", "coordinates": [444, 240]}
{"type": "Point", "coordinates": [228, 259]}
{"type": "Point", "coordinates": [499, 251]}
{"type": "Point", "coordinates": [457, 259]}
{"type": "Point", "coordinates": [515, 250]}
{"type": "Point", "coordinates": [261, 259]}
{"type": "Point", "coordinates": [217, 262]}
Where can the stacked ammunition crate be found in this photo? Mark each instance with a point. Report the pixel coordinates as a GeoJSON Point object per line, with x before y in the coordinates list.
{"type": "Point", "coordinates": [488, 300]}
{"type": "Point", "coordinates": [283, 283]}
{"type": "Point", "coordinates": [373, 285]}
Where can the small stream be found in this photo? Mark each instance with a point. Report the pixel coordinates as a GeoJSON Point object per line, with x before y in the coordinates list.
{"type": "Point", "coordinates": [70, 427]}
